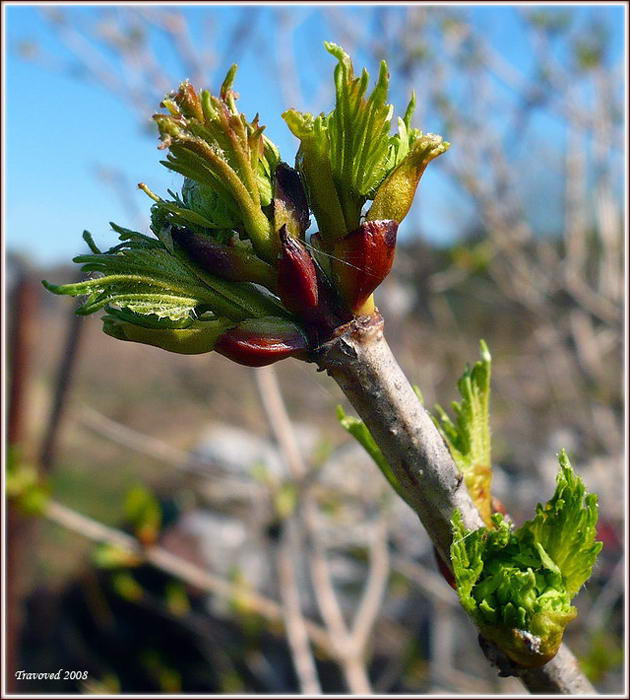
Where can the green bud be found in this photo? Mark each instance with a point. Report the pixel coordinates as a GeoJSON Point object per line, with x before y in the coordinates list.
{"type": "Point", "coordinates": [197, 338]}
{"type": "Point", "coordinates": [518, 584]}
{"type": "Point", "coordinates": [394, 196]}
{"type": "Point", "coordinates": [206, 201]}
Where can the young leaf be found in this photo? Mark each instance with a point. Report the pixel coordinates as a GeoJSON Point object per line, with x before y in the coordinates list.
{"type": "Point", "coordinates": [517, 585]}
{"type": "Point", "coordinates": [468, 438]}
{"type": "Point", "coordinates": [566, 527]}
{"type": "Point", "coordinates": [358, 130]}
{"type": "Point", "coordinates": [210, 143]}
{"type": "Point", "coordinates": [349, 157]}
{"type": "Point", "coordinates": [141, 275]}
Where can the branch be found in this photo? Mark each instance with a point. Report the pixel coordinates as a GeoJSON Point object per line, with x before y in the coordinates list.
{"type": "Point", "coordinates": [346, 652]}
{"type": "Point", "coordinates": [361, 362]}
{"type": "Point", "coordinates": [294, 623]}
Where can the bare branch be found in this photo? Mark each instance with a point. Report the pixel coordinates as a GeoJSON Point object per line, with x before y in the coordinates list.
{"type": "Point", "coordinates": [294, 623]}
{"type": "Point", "coordinates": [372, 599]}
{"type": "Point", "coordinates": [176, 566]}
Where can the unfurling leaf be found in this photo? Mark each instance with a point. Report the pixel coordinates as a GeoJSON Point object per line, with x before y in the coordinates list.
{"type": "Point", "coordinates": [395, 196]}
{"type": "Point", "coordinates": [362, 260]}
{"type": "Point", "coordinates": [262, 341]}
{"type": "Point", "coordinates": [141, 275]}
{"type": "Point", "coordinates": [468, 438]}
{"type": "Point", "coordinates": [210, 143]}
{"type": "Point", "coordinates": [517, 585]}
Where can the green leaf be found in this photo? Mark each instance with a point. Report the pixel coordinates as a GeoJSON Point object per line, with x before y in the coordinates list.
{"type": "Point", "coordinates": [210, 142]}
{"type": "Point", "coordinates": [141, 275]}
{"type": "Point", "coordinates": [468, 438]}
{"type": "Point", "coordinates": [517, 585]}
{"type": "Point", "coordinates": [466, 557]}
{"type": "Point", "coordinates": [566, 527]}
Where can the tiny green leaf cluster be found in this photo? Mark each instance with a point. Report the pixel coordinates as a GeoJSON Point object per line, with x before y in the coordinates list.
{"type": "Point", "coordinates": [348, 156]}
{"type": "Point", "coordinates": [468, 437]}
{"type": "Point", "coordinates": [517, 585]}
{"type": "Point", "coordinates": [230, 268]}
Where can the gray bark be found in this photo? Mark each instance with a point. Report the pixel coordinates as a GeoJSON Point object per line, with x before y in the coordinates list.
{"type": "Point", "coordinates": [362, 364]}
{"type": "Point", "coordinates": [359, 359]}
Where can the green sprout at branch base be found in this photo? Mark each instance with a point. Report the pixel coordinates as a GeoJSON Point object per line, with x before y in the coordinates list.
{"type": "Point", "coordinates": [517, 585]}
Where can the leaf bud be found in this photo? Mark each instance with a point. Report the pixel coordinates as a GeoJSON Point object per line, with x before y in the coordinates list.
{"type": "Point", "coordinates": [289, 203]}
{"type": "Point", "coordinates": [230, 261]}
{"type": "Point", "coordinates": [257, 342]}
{"type": "Point", "coordinates": [363, 259]}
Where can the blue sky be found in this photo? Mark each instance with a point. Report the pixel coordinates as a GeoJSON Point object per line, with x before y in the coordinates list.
{"type": "Point", "coordinates": [60, 129]}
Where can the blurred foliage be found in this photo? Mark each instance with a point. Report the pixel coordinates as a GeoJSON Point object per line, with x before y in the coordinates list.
{"type": "Point", "coordinates": [25, 485]}
{"type": "Point", "coordinates": [604, 655]}
{"type": "Point", "coordinates": [144, 514]}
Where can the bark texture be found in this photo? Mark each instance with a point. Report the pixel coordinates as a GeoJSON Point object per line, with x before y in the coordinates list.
{"type": "Point", "coordinates": [359, 359]}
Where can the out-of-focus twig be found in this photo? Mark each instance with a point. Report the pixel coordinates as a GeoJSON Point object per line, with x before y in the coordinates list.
{"type": "Point", "coordinates": [75, 330]}
{"type": "Point", "coordinates": [176, 566]}
{"type": "Point", "coordinates": [294, 623]}
{"type": "Point", "coordinates": [132, 439]}
{"type": "Point", "coordinates": [348, 653]}
{"type": "Point", "coordinates": [376, 584]}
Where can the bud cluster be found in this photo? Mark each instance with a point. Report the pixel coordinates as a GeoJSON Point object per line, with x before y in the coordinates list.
{"type": "Point", "coordinates": [232, 266]}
